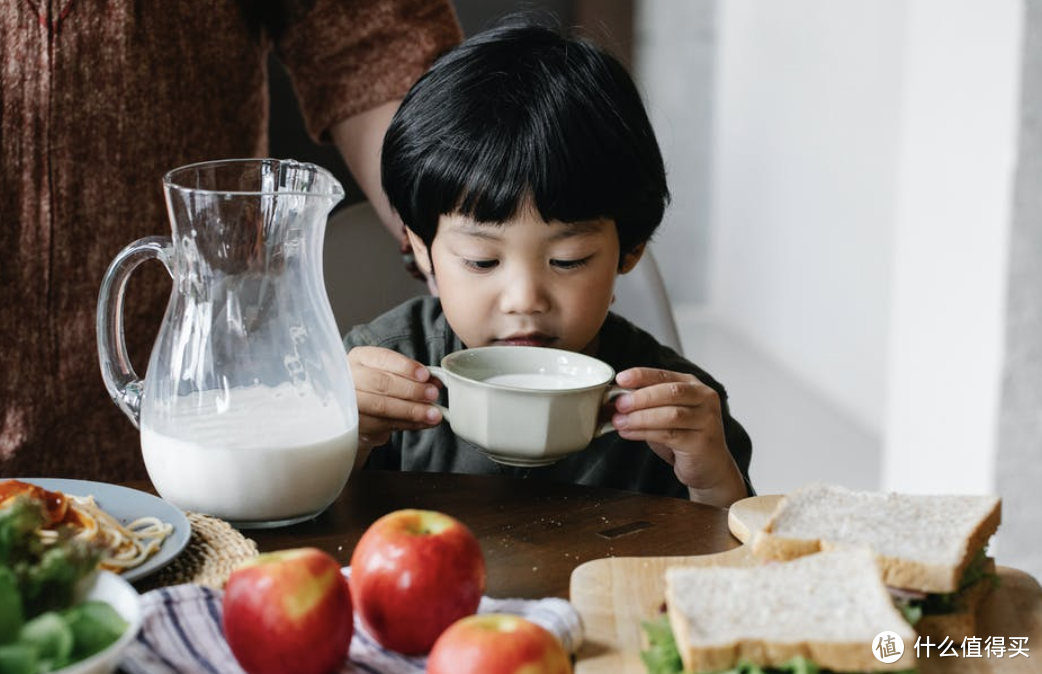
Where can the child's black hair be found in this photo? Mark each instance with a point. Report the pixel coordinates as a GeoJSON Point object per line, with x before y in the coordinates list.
{"type": "Point", "coordinates": [521, 112]}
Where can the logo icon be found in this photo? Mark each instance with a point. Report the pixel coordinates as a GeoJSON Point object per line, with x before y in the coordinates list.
{"type": "Point", "coordinates": [888, 647]}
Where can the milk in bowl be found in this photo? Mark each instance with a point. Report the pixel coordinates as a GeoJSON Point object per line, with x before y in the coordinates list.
{"type": "Point", "coordinates": [543, 381]}
{"type": "Point", "coordinates": [525, 405]}
{"type": "Point", "coordinates": [266, 455]}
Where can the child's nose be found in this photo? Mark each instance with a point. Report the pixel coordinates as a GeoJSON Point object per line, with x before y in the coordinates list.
{"type": "Point", "coordinates": [524, 293]}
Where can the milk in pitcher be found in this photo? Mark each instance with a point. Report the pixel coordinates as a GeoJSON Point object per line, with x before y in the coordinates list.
{"type": "Point", "coordinates": [271, 454]}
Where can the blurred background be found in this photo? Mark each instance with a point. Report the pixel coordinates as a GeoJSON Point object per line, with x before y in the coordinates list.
{"type": "Point", "coordinates": [854, 243]}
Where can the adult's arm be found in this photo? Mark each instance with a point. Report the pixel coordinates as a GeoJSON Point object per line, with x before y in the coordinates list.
{"type": "Point", "coordinates": [358, 138]}
{"type": "Point", "coordinates": [351, 62]}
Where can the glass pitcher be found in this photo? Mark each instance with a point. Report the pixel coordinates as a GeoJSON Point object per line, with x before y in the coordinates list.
{"type": "Point", "coordinates": [248, 409]}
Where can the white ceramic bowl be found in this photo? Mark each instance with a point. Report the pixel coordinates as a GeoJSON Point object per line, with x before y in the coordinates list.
{"type": "Point", "coordinates": [120, 595]}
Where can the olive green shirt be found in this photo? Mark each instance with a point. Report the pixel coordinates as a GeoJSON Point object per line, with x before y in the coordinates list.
{"type": "Point", "coordinates": [418, 329]}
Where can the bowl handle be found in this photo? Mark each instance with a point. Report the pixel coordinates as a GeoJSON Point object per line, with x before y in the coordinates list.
{"type": "Point", "coordinates": [442, 376]}
{"type": "Point", "coordinates": [610, 395]}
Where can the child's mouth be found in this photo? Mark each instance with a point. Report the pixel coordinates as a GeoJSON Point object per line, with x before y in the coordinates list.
{"type": "Point", "coordinates": [532, 339]}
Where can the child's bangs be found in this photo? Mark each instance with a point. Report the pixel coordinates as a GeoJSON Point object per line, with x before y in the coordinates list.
{"type": "Point", "coordinates": [499, 179]}
{"type": "Point", "coordinates": [494, 185]}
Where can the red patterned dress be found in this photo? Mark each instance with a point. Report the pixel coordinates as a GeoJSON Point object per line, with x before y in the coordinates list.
{"type": "Point", "coordinates": [98, 99]}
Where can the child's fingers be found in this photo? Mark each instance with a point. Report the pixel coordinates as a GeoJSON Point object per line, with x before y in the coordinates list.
{"type": "Point", "coordinates": [375, 437]}
{"type": "Point", "coordinates": [681, 394]}
{"type": "Point", "coordinates": [669, 420]}
{"type": "Point", "coordinates": [638, 377]}
{"type": "Point", "coordinates": [384, 372]}
{"type": "Point", "coordinates": [397, 411]}
{"type": "Point", "coordinates": [654, 387]}
{"type": "Point", "coordinates": [375, 427]}
{"type": "Point", "coordinates": [669, 437]}
{"type": "Point", "coordinates": [374, 431]}
{"type": "Point", "coordinates": [386, 360]}
{"type": "Point", "coordinates": [393, 392]}
{"type": "Point", "coordinates": [390, 385]}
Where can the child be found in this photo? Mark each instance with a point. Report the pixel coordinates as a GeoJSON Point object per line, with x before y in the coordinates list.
{"type": "Point", "coordinates": [528, 176]}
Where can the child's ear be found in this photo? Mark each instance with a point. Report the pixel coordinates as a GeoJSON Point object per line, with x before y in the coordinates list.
{"type": "Point", "coordinates": [630, 259]}
{"type": "Point", "coordinates": [419, 251]}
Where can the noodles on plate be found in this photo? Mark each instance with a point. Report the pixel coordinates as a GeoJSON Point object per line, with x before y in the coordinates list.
{"type": "Point", "coordinates": [125, 546]}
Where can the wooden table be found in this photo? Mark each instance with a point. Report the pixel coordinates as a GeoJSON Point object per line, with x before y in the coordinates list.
{"type": "Point", "coordinates": [533, 533]}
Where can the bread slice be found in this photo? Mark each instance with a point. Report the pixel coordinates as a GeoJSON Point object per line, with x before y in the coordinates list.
{"type": "Point", "coordinates": [827, 607]}
{"type": "Point", "coordinates": [923, 542]}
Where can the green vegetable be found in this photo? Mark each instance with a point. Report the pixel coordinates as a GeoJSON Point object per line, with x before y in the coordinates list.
{"type": "Point", "coordinates": [51, 582]}
{"type": "Point", "coordinates": [12, 616]}
{"type": "Point", "coordinates": [18, 524]}
{"type": "Point", "coordinates": [746, 667]}
{"type": "Point", "coordinates": [18, 659]}
{"type": "Point", "coordinates": [95, 625]}
{"type": "Point", "coordinates": [801, 665]}
{"type": "Point", "coordinates": [950, 602]}
{"type": "Point", "coordinates": [46, 574]}
{"type": "Point", "coordinates": [662, 656]}
{"type": "Point", "coordinates": [977, 569]}
{"type": "Point", "coordinates": [797, 665]}
{"type": "Point", "coordinates": [40, 630]}
{"type": "Point", "coordinates": [51, 638]}
{"type": "Point", "coordinates": [911, 610]}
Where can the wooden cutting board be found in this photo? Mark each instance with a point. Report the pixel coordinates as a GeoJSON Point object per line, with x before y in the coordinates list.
{"type": "Point", "coordinates": [613, 595]}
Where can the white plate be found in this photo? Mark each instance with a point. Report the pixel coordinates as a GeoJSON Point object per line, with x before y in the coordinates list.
{"type": "Point", "coordinates": [126, 505]}
{"type": "Point", "coordinates": [120, 595]}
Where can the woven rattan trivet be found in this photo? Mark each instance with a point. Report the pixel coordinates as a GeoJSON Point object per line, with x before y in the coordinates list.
{"type": "Point", "coordinates": [213, 551]}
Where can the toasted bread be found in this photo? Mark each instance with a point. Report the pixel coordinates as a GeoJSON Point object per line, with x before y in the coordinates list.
{"type": "Point", "coordinates": [828, 608]}
{"type": "Point", "coordinates": [923, 542]}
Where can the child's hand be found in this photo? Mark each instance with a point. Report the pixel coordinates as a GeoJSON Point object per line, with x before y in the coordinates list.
{"type": "Point", "coordinates": [680, 419]}
{"type": "Point", "coordinates": [394, 393]}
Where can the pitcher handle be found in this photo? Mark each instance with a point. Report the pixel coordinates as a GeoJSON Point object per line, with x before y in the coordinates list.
{"type": "Point", "coordinates": [122, 382]}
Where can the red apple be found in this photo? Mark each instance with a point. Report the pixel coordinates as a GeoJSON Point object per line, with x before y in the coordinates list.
{"type": "Point", "coordinates": [497, 643]}
{"type": "Point", "coordinates": [414, 573]}
{"type": "Point", "coordinates": [288, 611]}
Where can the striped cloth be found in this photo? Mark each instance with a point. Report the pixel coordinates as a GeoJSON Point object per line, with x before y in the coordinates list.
{"type": "Point", "coordinates": [181, 634]}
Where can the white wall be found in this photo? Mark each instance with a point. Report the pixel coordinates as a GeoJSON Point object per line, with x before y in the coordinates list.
{"type": "Point", "coordinates": [864, 167]}
{"type": "Point", "coordinates": [956, 179]}
{"type": "Point", "coordinates": [1019, 465]}
{"type": "Point", "coordinates": [807, 146]}
{"type": "Point", "coordinates": [674, 55]}
{"type": "Point", "coordinates": [799, 433]}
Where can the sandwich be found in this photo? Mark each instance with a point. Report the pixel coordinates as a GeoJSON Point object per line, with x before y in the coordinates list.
{"type": "Point", "coordinates": [931, 549]}
{"type": "Point", "coordinates": [822, 613]}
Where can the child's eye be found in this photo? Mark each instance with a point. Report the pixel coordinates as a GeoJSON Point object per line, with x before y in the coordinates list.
{"type": "Point", "coordinates": [482, 265]}
{"type": "Point", "coordinates": [570, 264]}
